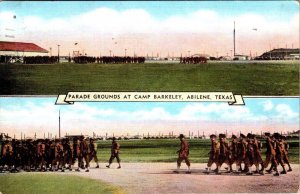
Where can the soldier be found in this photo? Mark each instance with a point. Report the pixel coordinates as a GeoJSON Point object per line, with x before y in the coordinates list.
{"type": "Point", "coordinates": [52, 153]}
{"type": "Point", "coordinates": [257, 155]}
{"type": "Point", "coordinates": [233, 150]}
{"type": "Point", "coordinates": [59, 155]}
{"type": "Point", "coordinates": [68, 153]}
{"type": "Point", "coordinates": [285, 153]}
{"type": "Point", "coordinates": [270, 154]}
{"type": "Point", "coordinates": [249, 159]}
{"type": "Point", "coordinates": [115, 150]}
{"type": "Point", "coordinates": [183, 154]}
{"type": "Point", "coordinates": [84, 152]}
{"type": "Point", "coordinates": [241, 152]}
{"type": "Point", "coordinates": [93, 151]}
{"type": "Point", "coordinates": [223, 156]}
{"type": "Point", "coordinates": [41, 153]}
{"type": "Point", "coordinates": [7, 154]}
{"type": "Point", "coordinates": [279, 152]}
{"type": "Point", "coordinates": [214, 152]}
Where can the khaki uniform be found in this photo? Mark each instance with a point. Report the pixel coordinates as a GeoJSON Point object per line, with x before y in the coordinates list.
{"type": "Point", "coordinates": [213, 154]}
{"type": "Point", "coordinates": [115, 150]}
{"type": "Point", "coordinates": [183, 153]}
{"type": "Point", "coordinates": [223, 156]}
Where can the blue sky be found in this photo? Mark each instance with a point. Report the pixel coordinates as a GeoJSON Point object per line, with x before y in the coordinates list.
{"type": "Point", "coordinates": [279, 9]}
{"type": "Point", "coordinates": [41, 115]}
{"type": "Point", "coordinates": [144, 27]}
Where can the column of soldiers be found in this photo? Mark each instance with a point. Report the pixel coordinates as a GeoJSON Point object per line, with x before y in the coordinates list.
{"type": "Point", "coordinates": [46, 154]}
{"type": "Point", "coordinates": [193, 60]}
{"type": "Point", "coordinates": [40, 60]}
{"type": "Point", "coordinates": [246, 150]}
{"type": "Point", "coordinates": [108, 60]}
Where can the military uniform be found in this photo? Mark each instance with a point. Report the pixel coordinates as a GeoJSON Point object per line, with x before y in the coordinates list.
{"type": "Point", "coordinates": [271, 154]}
{"type": "Point", "coordinates": [115, 150]}
{"type": "Point", "coordinates": [223, 156]}
{"type": "Point", "coordinates": [241, 152]}
{"type": "Point", "coordinates": [183, 153]}
{"type": "Point", "coordinates": [93, 152]}
{"type": "Point", "coordinates": [285, 153]}
{"type": "Point", "coordinates": [214, 153]}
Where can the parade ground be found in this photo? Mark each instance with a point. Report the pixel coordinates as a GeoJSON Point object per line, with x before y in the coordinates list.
{"type": "Point", "coordinates": [266, 78]}
{"type": "Point", "coordinates": [159, 178]}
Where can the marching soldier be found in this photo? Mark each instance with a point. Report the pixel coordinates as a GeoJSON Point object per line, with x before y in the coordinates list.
{"type": "Point", "coordinates": [183, 154]}
{"type": "Point", "coordinates": [279, 151]}
{"type": "Point", "coordinates": [249, 159]}
{"type": "Point", "coordinates": [257, 155]}
{"type": "Point", "coordinates": [115, 150]}
{"type": "Point", "coordinates": [93, 151]}
{"type": "Point", "coordinates": [84, 153]}
{"type": "Point", "coordinates": [285, 153]}
{"type": "Point", "coordinates": [223, 154]}
{"type": "Point", "coordinates": [214, 152]}
{"type": "Point", "coordinates": [271, 154]}
{"type": "Point", "coordinates": [68, 153]}
{"type": "Point", "coordinates": [233, 150]}
{"type": "Point", "coordinates": [241, 152]}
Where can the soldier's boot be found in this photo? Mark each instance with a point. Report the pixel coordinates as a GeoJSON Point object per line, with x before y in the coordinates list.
{"type": "Point", "coordinates": [78, 170]}
{"type": "Point", "coordinates": [246, 169]}
{"type": "Point", "coordinates": [108, 166]}
{"type": "Point", "coordinates": [87, 169]}
{"type": "Point", "coordinates": [207, 171]}
{"type": "Point", "coordinates": [177, 170]}
{"type": "Point", "coordinates": [249, 172]}
{"type": "Point", "coordinates": [276, 173]}
{"type": "Point", "coordinates": [119, 166]}
{"type": "Point", "coordinates": [290, 168]}
{"type": "Point", "coordinates": [256, 169]}
{"type": "Point", "coordinates": [97, 165]}
{"type": "Point", "coordinates": [261, 172]}
{"type": "Point", "coordinates": [189, 170]}
{"type": "Point", "coordinates": [218, 170]}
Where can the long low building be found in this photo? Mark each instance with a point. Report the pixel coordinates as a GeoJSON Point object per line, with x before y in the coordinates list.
{"type": "Point", "coordinates": [21, 49]}
{"type": "Point", "coordinates": [280, 54]}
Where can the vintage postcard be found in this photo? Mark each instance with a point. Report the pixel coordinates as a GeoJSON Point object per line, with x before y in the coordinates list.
{"type": "Point", "coordinates": [149, 97]}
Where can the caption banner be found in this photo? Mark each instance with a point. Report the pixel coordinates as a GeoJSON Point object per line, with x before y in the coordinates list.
{"type": "Point", "coordinates": [72, 97]}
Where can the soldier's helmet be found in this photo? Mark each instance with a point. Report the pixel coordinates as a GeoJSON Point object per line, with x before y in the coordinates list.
{"type": "Point", "coordinates": [249, 135]}
{"type": "Point", "coordinates": [212, 136]}
{"type": "Point", "coordinates": [91, 139]}
{"type": "Point", "coordinates": [267, 134]}
{"type": "Point", "coordinates": [181, 136]}
{"type": "Point", "coordinates": [276, 135]}
{"type": "Point", "coordinates": [114, 138]}
{"type": "Point", "coordinates": [221, 135]}
{"type": "Point", "coordinates": [242, 135]}
{"type": "Point", "coordinates": [233, 136]}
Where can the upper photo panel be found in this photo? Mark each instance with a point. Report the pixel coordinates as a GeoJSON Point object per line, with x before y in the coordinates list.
{"type": "Point", "coordinates": [245, 47]}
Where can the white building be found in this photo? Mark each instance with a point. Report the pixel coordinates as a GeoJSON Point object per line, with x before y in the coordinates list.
{"type": "Point", "coordinates": [21, 49]}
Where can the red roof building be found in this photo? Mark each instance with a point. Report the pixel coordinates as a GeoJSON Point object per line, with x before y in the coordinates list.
{"type": "Point", "coordinates": [21, 47]}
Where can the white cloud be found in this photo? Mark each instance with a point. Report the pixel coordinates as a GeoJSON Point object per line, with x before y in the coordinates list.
{"type": "Point", "coordinates": [267, 105]}
{"type": "Point", "coordinates": [284, 112]}
{"type": "Point", "coordinates": [105, 20]}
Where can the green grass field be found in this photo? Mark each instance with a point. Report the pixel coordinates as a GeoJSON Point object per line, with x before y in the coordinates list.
{"type": "Point", "coordinates": [32, 183]}
{"type": "Point", "coordinates": [272, 78]}
{"type": "Point", "coordinates": [164, 150]}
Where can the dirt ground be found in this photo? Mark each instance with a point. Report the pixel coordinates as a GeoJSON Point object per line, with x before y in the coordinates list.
{"type": "Point", "coordinates": [160, 178]}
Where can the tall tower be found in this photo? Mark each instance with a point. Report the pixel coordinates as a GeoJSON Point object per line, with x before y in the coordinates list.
{"type": "Point", "coordinates": [233, 38]}
{"type": "Point", "coordinates": [59, 124]}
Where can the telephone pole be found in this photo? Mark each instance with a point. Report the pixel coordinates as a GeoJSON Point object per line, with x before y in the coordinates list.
{"type": "Point", "coordinates": [234, 39]}
{"type": "Point", "coordinates": [59, 124]}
